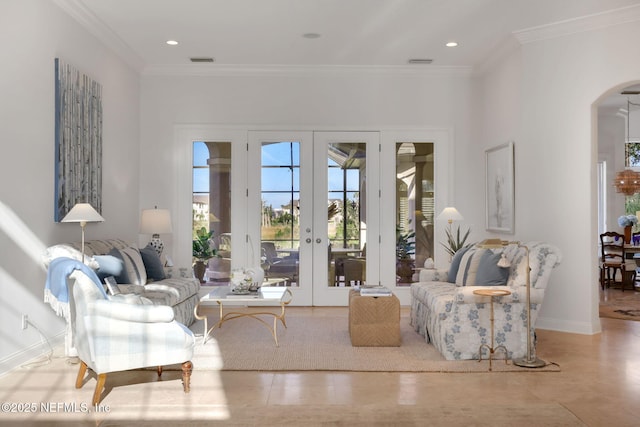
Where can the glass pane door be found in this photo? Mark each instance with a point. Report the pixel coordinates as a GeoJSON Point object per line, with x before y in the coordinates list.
{"type": "Point", "coordinates": [310, 211]}
{"type": "Point", "coordinates": [212, 210]}
{"type": "Point", "coordinates": [280, 208]}
{"type": "Point", "coordinates": [414, 209]}
{"type": "Point", "coordinates": [342, 184]}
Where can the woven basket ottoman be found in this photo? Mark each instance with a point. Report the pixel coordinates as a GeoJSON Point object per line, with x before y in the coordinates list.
{"type": "Point", "coordinates": [374, 321]}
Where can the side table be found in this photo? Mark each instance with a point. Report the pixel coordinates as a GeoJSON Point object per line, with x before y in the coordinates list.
{"type": "Point", "coordinates": [491, 293]}
{"type": "Point", "coordinates": [374, 321]}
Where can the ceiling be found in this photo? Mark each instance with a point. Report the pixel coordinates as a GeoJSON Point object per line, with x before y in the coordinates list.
{"type": "Point", "coordinates": [352, 33]}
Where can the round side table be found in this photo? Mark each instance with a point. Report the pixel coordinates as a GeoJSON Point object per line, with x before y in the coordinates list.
{"type": "Point", "coordinates": [491, 293]}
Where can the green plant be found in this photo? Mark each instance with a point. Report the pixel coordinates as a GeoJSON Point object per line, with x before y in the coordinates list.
{"type": "Point", "coordinates": [455, 243]}
{"type": "Point", "coordinates": [202, 249]}
{"type": "Point", "coordinates": [405, 244]}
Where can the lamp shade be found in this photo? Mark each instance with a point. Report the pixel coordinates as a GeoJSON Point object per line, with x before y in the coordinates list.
{"type": "Point", "coordinates": [155, 221]}
{"type": "Point", "coordinates": [83, 213]}
{"type": "Point", "coordinates": [450, 214]}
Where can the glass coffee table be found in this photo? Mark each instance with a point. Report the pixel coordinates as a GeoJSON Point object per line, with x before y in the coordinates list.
{"type": "Point", "coordinates": [255, 303]}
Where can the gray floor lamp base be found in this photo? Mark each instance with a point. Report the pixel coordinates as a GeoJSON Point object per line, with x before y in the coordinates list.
{"type": "Point", "coordinates": [529, 363]}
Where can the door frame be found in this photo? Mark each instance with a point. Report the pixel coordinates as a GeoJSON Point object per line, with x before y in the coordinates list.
{"type": "Point", "coordinates": [184, 135]}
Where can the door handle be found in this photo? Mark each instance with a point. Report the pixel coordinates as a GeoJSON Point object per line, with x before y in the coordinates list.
{"type": "Point", "coordinates": [318, 240]}
{"type": "Point", "coordinates": [308, 240]}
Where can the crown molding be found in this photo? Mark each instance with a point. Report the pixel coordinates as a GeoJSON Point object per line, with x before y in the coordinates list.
{"type": "Point", "coordinates": [578, 25]}
{"type": "Point", "coordinates": [219, 70]}
{"type": "Point", "coordinates": [79, 12]}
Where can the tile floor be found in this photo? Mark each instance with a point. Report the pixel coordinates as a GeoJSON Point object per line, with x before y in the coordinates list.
{"type": "Point", "coordinates": [599, 385]}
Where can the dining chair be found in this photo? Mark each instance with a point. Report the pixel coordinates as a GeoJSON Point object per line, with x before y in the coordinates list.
{"type": "Point", "coordinates": [354, 269]}
{"type": "Point", "coordinates": [612, 259]}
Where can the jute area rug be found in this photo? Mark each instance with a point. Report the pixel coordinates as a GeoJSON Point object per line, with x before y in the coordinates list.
{"type": "Point", "coordinates": [321, 343]}
{"type": "Point", "coordinates": [616, 304]}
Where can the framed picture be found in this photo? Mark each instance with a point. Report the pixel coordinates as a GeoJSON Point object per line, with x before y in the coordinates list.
{"type": "Point", "coordinates": [500, 189]}
{"type": "Point", "coordinates": [78, 140]}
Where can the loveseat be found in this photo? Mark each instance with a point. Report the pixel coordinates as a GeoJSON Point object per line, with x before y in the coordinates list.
{"type": "Point", "coordinates": [147, 278]}
{"type": "Point", "coordinates": [448, 314]}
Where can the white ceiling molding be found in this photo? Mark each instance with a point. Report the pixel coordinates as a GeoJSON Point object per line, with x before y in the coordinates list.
{"type": "Point", "coordinates": [502, 50]}
{"type": "Point", "coordinates": [578, 25]}
{"type": "Point", "coordinates": [78, 11]}
{"type": "Point", "coordinates": [296, 70]}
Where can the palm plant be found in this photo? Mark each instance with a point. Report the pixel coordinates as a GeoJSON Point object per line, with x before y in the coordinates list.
{"type": "Point", "coordinates": [455, 243]}
{"type": "Point", "coordinates": [405, 244]}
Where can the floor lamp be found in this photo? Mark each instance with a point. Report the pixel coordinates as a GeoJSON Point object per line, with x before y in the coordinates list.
{"type": "Point", "coordinates": [82, 213]}
{"type": "Point", "coordinates": [529, 360]}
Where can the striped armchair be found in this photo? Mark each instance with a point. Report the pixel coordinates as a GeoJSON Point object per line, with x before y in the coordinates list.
{"type": "Point", "coordinates": [115, 335]}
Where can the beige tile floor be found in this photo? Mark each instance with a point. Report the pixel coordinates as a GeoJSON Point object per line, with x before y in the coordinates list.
{"type": "Point", "coordinates": [599, 385]}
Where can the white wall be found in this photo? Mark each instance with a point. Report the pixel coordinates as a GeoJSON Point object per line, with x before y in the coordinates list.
{"type": "Point", "coordinates": [343, 99]}
{"type": "Point", "coordinates": [34, 33]}
{"type": "Point", "coordinates": [556, 153]}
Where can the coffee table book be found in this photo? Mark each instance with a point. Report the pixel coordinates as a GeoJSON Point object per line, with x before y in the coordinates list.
{"type": "Point", "coordinates": [375, 291]}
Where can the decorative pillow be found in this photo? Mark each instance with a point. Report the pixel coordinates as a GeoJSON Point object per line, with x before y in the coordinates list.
{"type": "Point", "coordinates": [109, 265]}
{"type": "Point", "coordinates": [134, 266]}
{"type": "Point", "coordinates": [455, 264]}
{"type": "Point", "coordinates": [60, 251]}
{"type": "Point", "coordinates": [152, 263]}
{"type": "Point", "coordinates": [123, 277]}
{"type": "Point", "coordinates": [489, 273]}
{"type": "Point", "coordinates": [469, 267]}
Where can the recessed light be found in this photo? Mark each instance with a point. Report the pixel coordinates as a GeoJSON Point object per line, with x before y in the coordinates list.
{"type": "Point", "coordinates": [172, 42]}
{"type": "Point", "coordinates": [420, 61]}
{"type": "Point", "coordinates": [311, 35]}
{"type": "Point", "coordinates": [452, 44]}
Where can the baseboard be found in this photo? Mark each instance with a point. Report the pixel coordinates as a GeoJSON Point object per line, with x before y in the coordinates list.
{"type": "Point", "coordinates": [562, 325]}
{"type": "Point", "coordinates": [29, 354]}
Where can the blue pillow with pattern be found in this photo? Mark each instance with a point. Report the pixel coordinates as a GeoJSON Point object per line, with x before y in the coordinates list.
{"type": "Point", "coordinates": [455, 265]}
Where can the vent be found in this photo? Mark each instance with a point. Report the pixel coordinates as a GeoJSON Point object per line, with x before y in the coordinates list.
{"type": "Point", "coordinates": [420, 61]}
{"type": "Point", "coordinates": [202, 59]}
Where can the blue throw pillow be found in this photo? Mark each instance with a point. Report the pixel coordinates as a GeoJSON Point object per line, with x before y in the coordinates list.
{"type": "Point", "coordinates": [489, 274]}
{"type": "Point", "coordinates": [121, 277]}
{"type": "Point", "coordinates": [108, 265]}
{"type": "Point", "coordinates": [455, 264]}
{"type": "Point", "coordinates": [152, 263]}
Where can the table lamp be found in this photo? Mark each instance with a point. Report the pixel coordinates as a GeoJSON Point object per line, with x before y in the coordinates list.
{"type": "Point", "coordinates": [529, 360]}
{"type": "Point", "coordinates": [82, 213]}
{"type": "Point", "coordinates": [155, 222]}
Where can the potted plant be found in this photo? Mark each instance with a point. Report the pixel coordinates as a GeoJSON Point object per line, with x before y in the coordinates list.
{"type": "Point", "coordinates": [405, 247]}
{"type": "Point", "coordinates": [627, 222]}
{"type": "Point", "coordinates": [455, 243]}
{"type": "Point", "coordinates": [202, 252]}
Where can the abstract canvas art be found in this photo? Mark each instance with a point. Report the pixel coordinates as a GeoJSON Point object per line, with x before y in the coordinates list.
{"type": "Point", "coordinates": [500, 188]}
{"type": "Point", "coordinates": [78, 139]}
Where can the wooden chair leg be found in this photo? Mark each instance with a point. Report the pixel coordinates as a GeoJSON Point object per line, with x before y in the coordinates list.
{"type": "Point", "coordinates": [187, 368]}
{"type": "Point", "coordinates": [102, 378]}
{"type": "Point", "coordinates": [81, 372]}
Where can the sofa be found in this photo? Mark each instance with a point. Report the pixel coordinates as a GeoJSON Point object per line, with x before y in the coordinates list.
{"type": "Point", "coordinates": [448, 314]}
{"type": "Point", "coordinates": [146, 278]}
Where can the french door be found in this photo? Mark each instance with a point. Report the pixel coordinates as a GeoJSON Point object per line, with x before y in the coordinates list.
{"type": "Point", "coordinates": [313, 211]}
